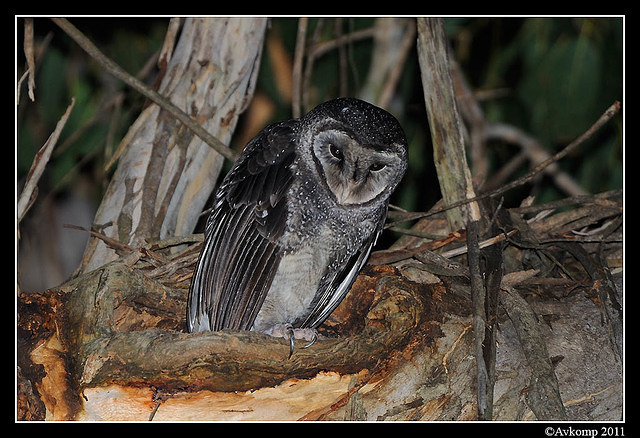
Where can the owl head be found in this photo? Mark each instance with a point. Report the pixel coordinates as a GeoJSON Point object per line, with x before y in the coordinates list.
{"type": "Point", "coordinates": [359, 150]}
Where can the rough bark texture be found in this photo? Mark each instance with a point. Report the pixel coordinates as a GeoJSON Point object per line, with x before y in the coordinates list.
{"type": "Point", "coordinates": [449, 152]}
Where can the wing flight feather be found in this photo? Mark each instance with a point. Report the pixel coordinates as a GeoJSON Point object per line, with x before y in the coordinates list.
{"type": "Point", "coordinates": [240, 254]}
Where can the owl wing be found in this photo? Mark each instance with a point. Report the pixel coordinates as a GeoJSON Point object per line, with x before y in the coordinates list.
{"type": "Point", "coordinates": [337, 282]}
{"type": "Point", "coordinates": [240, 255]}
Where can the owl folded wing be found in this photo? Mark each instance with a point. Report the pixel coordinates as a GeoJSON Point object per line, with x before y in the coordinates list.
{"type": "Point", "coordinates": [337, 282]}
{"type": "Point", "coordinates": [240, 255]}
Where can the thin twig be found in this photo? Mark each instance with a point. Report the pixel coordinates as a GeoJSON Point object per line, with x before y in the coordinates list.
{"type": "Point", "coordinates": [38, 52]}
{"type": "Point", "coordinates": [567, 202]}
{"type": "Point", "coordinates": [143, 89]}
{"type": "Point", "coordinates": [317, 49]}
{"type": "Point", "coordinates": [482, 244]}
{"type": "Point", "coordinates": [535, 153]}
{"type": "Point", "coordinates": [604, 118]}
{"type": "Point", "coordinates": [27, 196]}
{"type": "Point", "coordinates": [321, 48]}
{"type": "Point", "coordinates": [342, 59]}
{"type": "Point", "coordinates": [29, 54]}
{"type": "Point", "coordinates": [113, 243]}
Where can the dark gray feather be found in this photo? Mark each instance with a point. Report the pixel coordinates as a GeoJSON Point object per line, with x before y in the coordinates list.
{"type": "Point", "coordinates": [240, 255]}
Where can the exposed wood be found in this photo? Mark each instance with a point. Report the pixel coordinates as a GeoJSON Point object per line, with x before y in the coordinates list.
{"type": "Point", "coordinates": [95, 339]}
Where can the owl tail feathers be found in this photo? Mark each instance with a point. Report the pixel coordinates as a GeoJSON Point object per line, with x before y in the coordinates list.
{"type": "Point", "coordinates": [197, 320]}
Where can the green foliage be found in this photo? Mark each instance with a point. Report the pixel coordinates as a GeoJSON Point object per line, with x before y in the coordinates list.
{"type": "Point", "coordinates": [560, 75]}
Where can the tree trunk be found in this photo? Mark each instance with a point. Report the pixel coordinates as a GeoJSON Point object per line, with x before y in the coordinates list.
{"type": "Point", "coordinates": [166, 174]}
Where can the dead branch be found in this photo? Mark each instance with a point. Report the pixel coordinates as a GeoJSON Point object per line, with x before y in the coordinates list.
{"type": "Point", "coordinates": [602, 120]}
{"type": "Point", "coordinates": [296, 95]}
{"type": "Point", "coordinates": [445, 123]}
{"type": "Point", "coordinates": [29, 192]}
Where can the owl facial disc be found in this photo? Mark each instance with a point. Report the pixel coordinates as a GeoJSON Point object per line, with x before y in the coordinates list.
{"type": "Point", "coordinates": [355, 173]}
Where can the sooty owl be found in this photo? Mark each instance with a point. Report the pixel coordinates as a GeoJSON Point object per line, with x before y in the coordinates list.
{"type": "Point", "coordinates": [295, 219]}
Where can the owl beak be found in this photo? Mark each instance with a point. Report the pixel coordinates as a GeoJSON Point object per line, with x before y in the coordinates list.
{"type": "Point", "coordinates": [348, 193]}
{"type": "Point", "coordinates": [358, 177]}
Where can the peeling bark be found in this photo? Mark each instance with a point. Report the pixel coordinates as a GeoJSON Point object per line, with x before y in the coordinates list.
{"type": "Point", "coordinates": [166, 173]}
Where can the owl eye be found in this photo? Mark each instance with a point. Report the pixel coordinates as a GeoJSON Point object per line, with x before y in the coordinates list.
{"type": "Point", "coordinates": [377, 166]}
{"type": "Point", "coordinates": [336, 152]}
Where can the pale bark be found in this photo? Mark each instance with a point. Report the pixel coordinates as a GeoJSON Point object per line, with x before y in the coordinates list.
{"type": "Point", "coordinates": [445, 123]}
{"type": "Point", "coordinates": [166, 173]}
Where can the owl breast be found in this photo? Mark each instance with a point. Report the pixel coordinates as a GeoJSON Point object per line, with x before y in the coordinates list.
{"type": "Point", "coordinates": [294, 286]}
{"type": "Point", "coordinates": [320, 237]}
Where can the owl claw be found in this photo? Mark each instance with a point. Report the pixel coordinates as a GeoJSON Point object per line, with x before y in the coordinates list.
{"type": "Point", "coordinates": [288, 332]}
{"type": "Point", "coordinates": [314, 338]}
{"type": "Point", "coordinates": [291, 335]}
{"type": "Point", "coordinates": [308, 334]}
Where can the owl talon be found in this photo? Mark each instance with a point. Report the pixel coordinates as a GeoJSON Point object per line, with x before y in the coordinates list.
{"type": "Point", "coordinates": [314, 338]}
{"type": "Point", "coordinates": [291, 347]}
{"type": "Point", "coordinates": [287, 331]}
{"type": "Point", "coordinates": [291, 335]}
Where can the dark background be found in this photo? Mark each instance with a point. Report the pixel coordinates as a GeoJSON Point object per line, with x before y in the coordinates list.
{"type": "Point", "coordinates": [550, 77]}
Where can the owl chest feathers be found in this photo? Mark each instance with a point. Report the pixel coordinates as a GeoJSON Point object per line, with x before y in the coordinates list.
{"type": "Point", "coordinates": [318, 240]}
{"type": "Point", "coordinates": [293, 288]}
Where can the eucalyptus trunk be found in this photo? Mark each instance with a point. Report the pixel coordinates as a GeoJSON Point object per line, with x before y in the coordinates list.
{"type": "Point", "coordinates": [166, 173]}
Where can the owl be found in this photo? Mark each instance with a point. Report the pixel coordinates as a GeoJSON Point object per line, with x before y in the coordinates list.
{"type": "Point", "coordinates": [295, 219]}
